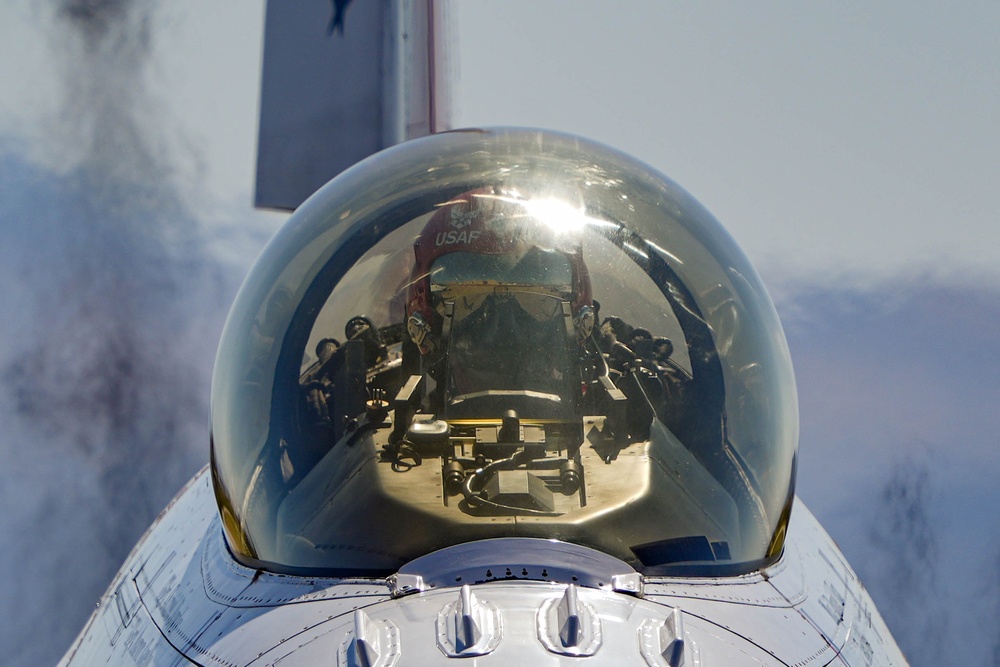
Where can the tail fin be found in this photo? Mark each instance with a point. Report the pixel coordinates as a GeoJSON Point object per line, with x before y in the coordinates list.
{"type": "Point", "coordinates": [341, 80]}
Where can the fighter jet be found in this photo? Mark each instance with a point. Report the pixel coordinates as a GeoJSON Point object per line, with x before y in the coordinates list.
{"type": "Point", "coordinates": [495, 397]}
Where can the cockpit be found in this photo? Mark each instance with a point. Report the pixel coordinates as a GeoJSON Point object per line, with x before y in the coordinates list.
{"type": "Point", "coordinates": [503, 333]}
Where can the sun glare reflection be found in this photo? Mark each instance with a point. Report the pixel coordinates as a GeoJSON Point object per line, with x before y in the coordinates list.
{"type": "Point", "coordinates": [560, 216]}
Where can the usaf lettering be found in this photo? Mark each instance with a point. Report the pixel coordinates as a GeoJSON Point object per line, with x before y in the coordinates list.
{"type": "Point", "coordinates": [453, 237]}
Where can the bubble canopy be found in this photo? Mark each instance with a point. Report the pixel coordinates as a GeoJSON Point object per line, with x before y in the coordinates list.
{"type": "Point", "coordinates": [503, 333]}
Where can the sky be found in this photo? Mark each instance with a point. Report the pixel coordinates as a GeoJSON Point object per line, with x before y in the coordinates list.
{"type": "Point", "coordinates": [851, 149]}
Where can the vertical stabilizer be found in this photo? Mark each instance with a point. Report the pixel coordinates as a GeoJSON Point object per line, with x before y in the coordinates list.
{"type": "Point", "coordinates": [341, 80]}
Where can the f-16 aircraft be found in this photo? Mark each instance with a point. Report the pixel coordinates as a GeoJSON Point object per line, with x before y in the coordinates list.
{"type": "Point", "coordinates": [496, 394]}
{"type": "Point", "coordinates": [500, 396]}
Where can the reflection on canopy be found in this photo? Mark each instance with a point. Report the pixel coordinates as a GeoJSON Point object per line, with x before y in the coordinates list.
{"type": "Point", "coordinates": [503, 334]}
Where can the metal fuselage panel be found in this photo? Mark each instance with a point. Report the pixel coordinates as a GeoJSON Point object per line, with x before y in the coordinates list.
{"type": "Point", "coordinates": [182, 599]}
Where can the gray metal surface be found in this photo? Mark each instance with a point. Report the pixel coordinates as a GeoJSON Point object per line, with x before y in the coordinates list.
{"type": "Point", "coordinates": [181, 599]}
{"type": "Point", "coordinates": [516, 558]}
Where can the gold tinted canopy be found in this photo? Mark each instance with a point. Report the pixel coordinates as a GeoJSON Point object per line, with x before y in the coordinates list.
{"type": "Point", "coordinates": [503, 333]}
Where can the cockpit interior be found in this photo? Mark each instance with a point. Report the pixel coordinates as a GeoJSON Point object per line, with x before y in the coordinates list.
{"type": "Point", "coordinates": [503, 334]}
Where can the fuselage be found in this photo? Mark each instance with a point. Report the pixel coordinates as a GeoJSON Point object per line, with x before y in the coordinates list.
{"type": "Point", "coordinates": [182, 598]}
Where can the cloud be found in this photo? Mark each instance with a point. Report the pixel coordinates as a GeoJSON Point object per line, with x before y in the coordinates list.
{"type": "Point", "coordinates": [904, 559]}
{"type": "Point", "coordinates": [112, 305]}
{"type": "Point", "coordinates": [898, 450]}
